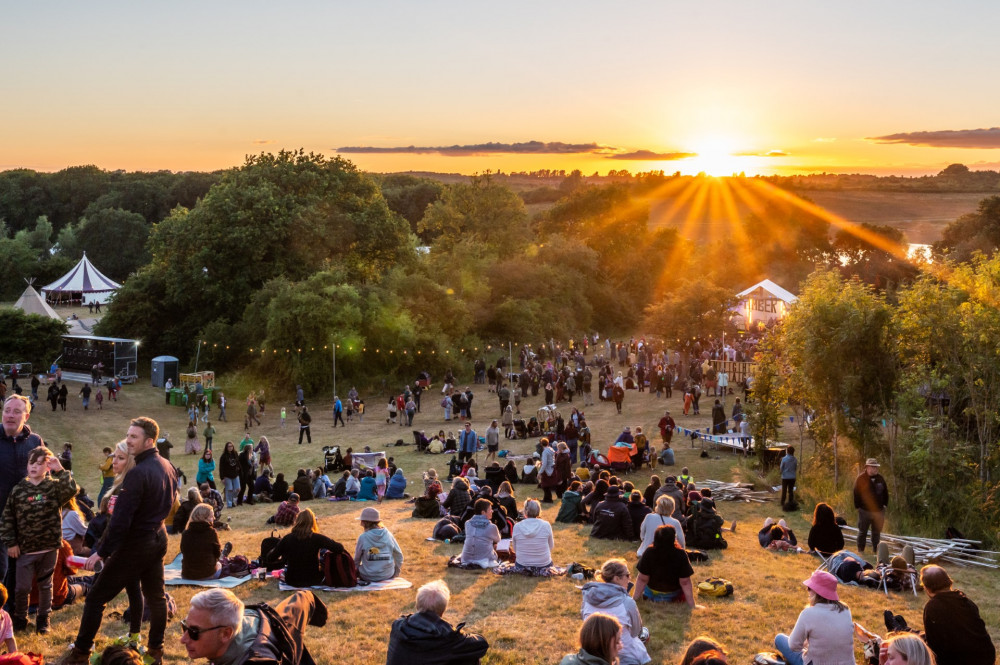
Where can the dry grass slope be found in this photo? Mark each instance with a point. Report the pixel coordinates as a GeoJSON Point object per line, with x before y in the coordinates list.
{"type": "Point", "coordinates": [525, 620]}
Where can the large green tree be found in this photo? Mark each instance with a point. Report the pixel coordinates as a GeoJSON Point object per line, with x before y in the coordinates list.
{"type": "Point", "coordinates": [288, 215]}
{"type": "Point", "coordinates": [114, 240]}
{"type": "Point", "coordinates": [29, 338]}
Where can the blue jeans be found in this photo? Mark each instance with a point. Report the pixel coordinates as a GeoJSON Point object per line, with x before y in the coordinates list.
{"type": "Point", "coordinates": [572, 444]}
{"type": "Point", "coordinates": [232, 489]}
{"type": "Point", "coordinates": [791, 657]}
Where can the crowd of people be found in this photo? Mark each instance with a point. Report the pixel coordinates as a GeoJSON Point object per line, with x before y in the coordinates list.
{"type": "Point", "coordinates": [665, 521]}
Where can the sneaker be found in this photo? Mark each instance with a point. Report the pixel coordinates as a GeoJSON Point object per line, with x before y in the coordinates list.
{"type": "Point", "coordinates": [226, 549]}
{"type": "Point", "coordinates": [42, 626]}
{"type": "Point", "coordinates": [75, 657]}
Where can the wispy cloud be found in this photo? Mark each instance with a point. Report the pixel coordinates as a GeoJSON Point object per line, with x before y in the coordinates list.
{"type": "Point", "coordinates": [769, 153]}
{"type": "Point", "coordinates": [823, 139]}
{"type": "Point", "coordinates": [649, 155]}
{"type": "Point", "coordinates": [525, 148]}
{"type": "Point", "coordinates": [263, 141]}
{"type": "Point", "coordinates": [946, 138]}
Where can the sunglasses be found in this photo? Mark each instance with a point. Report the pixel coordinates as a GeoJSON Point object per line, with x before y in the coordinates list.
{"type": "Point", "coordinates": [194, 632]}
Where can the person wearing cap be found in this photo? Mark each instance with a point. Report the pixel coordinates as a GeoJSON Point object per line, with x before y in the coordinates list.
{"type": "Point", "coordinates": [424, 638]}
{"type": "Point", "coordinates": [377, 554]}
{"type": "Point", "coordinates": [871, 497]}
{"type": "Point", "coordinates": [824, 632]}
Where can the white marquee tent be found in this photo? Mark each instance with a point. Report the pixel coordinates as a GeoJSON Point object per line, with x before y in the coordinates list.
{"type": "Point", "coordinates": [84, 283]}
{"type": "Point", "coordinates": [762, 303]}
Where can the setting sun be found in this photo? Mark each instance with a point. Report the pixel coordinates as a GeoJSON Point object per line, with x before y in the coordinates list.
{"type": "Point", "coordinates": [716, 156]}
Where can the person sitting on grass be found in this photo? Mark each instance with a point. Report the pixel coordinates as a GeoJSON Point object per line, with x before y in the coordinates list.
{"type": "Point", "coordinates": [369, 488]}
{"type": "Point", "coordinates": [600, 637]}
{"type": "Point", "coordinates": [299, 551]}
{"type": "Point", "coordinates": [481, 538]}
{"type": "Point", "coordinates": [661, 517]}
{"type": "Point", "coordinates": [532, 542]}
{"type": "Point", "coordinates": [288, 510]}
{"type": "Point", "coordinates": [610, 596]}
{"type": "Point", "coordinates": [458, 498]}
{"type": "Point", "coordinates": [664, 572]}
{"type": "Point", "coordinates": [200, 546]}
{"type": "Point", "coordinates": [611, 517]}
{"type": "Point", "coordinates": [183, 512]}
{"type": "Point", "coordinates": [703, 645]}
{"type": "Point", "coordinates": [825, 535]}
{"type": "Point", "coordinates": [507, 499]}
{"type": "Point", "coordinates": [397, 486]}
{"type": "Point", "coordinates": [824, 631]}
{"type": "Point", "coordinates": [571, 508]}
{"type": "Point", "coordinates": [424, 638]}
{"type": "Point", "coordinates": [954, 630]}
{"type": "Point", "coordinates": [377, 554]}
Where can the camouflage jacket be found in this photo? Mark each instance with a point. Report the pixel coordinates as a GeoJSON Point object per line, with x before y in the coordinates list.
{"type": "Point", "coordinates": [32, 518]}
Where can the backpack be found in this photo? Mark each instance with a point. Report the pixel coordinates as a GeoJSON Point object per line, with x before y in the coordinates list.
{"type": "Point", "coordinates": [266, 546]}
{"type": "Point", "coordinates": [235, 566]}
{"type": "Point", "coordinates": [339, 570]}
{"type": "Point", "coordinates": [716, 587]}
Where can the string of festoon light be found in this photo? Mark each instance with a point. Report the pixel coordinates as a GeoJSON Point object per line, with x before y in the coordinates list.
{"type": "Point", "coordinates": [364, 349]}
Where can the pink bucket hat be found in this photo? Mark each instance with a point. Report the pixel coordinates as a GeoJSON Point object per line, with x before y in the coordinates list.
{"type": "Point", "coordinates": [823, 584]}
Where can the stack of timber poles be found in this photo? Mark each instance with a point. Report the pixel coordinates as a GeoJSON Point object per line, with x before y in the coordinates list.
{"type": "Point", "coordinates": [959, 551]}
{"type": "Point", "coordinates": [734, 491]}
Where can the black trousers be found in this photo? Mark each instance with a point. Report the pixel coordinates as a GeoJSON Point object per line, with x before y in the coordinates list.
{"type": "Point", "coordinates": [305, 430]}
{"type": "Point", "coordinates": [787, 486]}
{"type": "Point", "coordinates": [139, 558]}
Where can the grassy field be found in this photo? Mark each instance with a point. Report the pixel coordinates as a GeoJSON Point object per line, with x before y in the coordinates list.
{"type": "Point", "coordinates": [525, 620]}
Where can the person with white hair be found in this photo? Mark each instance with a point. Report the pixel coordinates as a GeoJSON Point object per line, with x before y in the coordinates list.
{"type": "Point", "coordinates": [221, 629]}
{"type": "Point", "coordinates": [424, 638]}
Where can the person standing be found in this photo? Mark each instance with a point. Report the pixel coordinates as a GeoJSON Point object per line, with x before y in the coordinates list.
{"type": "Point", "coordinates": [305, 420]}
{"type": "Point", "coordinates": [16, 443]}
{"type": "Point", "coordinates": [338, 412]}
{"type": "Point", "coordinates": [222, 407]}
{"type": "Point", "coordinates": [134, 544]}
{"type": "Point", "coordinates": [107, 474]}
{"type": "Point", "coordinates": [209, 435]}
{"type": "Point", "coordinates": [168, 386]}
{"type": "Point", "coordinates": [468, 443]}
{"type": "Point", "coordinates": [789, 470]}
{"type": "Point", "coordinates": [871, 498]}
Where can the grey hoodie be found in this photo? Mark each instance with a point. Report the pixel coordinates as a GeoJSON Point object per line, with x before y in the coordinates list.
{"type": "Point", "coordinates": [377, 555]}
{"type": "Point", "coordinates": [614, 600]}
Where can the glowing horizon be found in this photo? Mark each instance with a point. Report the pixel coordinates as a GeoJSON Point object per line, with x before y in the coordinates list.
{"type": "Point", "coordinates": [788, 89]}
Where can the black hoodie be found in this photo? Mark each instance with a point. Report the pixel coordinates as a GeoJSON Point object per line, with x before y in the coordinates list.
{"type": "Point", "coordinates": [425, 638]}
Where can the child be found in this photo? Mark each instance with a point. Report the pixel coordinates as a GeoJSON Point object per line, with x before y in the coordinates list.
{"type": "Point", "coordinates": [100, 400]}
{"type": "Point", "coordinates": [32, 531]}
{"type": "Point", "coordinates": [6, 627]}
{"type": "Point", "coordinates": [361, 411]}
{"type": "Point", "coordinates": [282, 416]}
{"type": "Point", "coordinates": [381, 479]}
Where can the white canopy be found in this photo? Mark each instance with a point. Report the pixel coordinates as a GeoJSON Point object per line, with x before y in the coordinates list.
{"type": "Point", "coordinates": [762, 303]}
{"type": "Point", "coordinates": [83, 279]}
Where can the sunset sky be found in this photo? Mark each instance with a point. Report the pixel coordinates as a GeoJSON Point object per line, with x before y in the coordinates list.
{"type": "Point", "coordinates": [718, 86]}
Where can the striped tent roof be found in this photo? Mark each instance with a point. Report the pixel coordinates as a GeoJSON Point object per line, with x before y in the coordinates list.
{"type": "Point", "coordinates": [83, 278]}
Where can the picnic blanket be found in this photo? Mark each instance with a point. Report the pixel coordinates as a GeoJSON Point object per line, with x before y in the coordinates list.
{"type": "Point", "coordinates": [387, 585]}
{"type": "Point", "coordinates": [172, 576]}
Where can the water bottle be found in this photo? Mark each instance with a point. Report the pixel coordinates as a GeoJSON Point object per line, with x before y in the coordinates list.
{"type": "Point", "coordinates": [577, 576]}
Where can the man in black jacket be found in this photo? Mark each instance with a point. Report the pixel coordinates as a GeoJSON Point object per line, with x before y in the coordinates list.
{"type": "Point", "coordinates": [611, 517]}
{"type": "Point", "coordinates": [222, 629]}
{"type": "Point", "coordinates": [871, 497]}
{"type": "Point", "coordinates": [424, 638]}
{"type": "Point", "coordinates": [134, 544]}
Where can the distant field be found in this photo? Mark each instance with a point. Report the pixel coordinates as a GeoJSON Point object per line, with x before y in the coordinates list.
{"type": "Point", "coordinates": [921, 216]}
